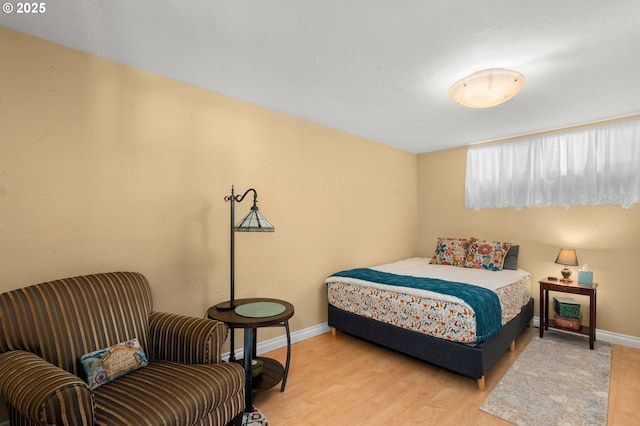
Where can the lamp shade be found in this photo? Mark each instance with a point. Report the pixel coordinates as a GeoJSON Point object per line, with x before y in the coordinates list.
{"type": "Point", "coordinates": [487, 88]}
{"type": "Point", "coordinates": [254, 222]}
{"type": "Point", "coordinates": [567, 257]}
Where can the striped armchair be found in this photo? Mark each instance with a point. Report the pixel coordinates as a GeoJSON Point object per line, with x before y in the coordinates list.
{"type": "Point", "coordinates": [46, 328]}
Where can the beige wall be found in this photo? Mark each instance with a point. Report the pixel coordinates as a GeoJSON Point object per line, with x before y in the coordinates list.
{"type": "Point", "coordinates": [605, 237]}
{"type": "Point", "coordinates": [104, 167]}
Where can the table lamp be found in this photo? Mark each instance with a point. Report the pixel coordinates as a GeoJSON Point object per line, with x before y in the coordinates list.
{"type": "Point", "coordinates": [567, 257]}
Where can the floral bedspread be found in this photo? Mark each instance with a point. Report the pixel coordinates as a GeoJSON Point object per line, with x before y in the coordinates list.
{"type": "Point", "coordinates": [443, 317]}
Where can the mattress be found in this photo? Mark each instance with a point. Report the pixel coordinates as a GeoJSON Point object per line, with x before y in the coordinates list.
{"type": "Point", "coordinates": [429, 312]}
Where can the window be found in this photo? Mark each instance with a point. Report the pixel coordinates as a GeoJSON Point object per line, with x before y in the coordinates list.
{"type": "Point", "coordinates": [598, 165]}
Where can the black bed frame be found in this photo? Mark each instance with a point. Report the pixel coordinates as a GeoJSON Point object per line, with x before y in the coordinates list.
{"type": "Point", "coordinates": [471, 361]}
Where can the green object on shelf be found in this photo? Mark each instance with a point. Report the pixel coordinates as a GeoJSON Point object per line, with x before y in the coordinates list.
{"type": "Point", "coordinates": [256, 367]}
{"type": "Point", "coordinates": [260, 309]}
{"type": "Point", "coordinates": [566, 307]}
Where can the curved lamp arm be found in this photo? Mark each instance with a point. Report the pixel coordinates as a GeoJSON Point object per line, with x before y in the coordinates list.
{"type": "Point", "coordinates": [239, 198]}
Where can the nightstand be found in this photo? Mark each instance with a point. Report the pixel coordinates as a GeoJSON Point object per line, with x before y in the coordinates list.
{"type": "Point", "coordinates": [568, 287]}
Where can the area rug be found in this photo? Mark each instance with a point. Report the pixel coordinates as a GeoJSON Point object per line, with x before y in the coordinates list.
{"type": "Point", "coordinates": [254, 418]}
{"type": "Point", "coordinates": [556, 380]}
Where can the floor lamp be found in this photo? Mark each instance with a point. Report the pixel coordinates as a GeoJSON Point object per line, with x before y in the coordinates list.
{"type": "Point", "coordinates": [252, 222]}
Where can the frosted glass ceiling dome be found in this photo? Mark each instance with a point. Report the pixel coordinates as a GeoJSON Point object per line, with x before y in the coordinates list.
{"type": "Point", "coordinates": [487, 88]}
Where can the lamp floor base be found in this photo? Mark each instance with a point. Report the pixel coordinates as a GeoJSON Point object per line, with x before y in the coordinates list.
{"type": "Point", "coordinates": [225, 306]}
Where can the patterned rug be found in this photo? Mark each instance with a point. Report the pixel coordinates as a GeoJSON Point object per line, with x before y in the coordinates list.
{"type": "Point", "coordinates": [254, 418]}
{"type": "Point", "coordinates": [556, 380]}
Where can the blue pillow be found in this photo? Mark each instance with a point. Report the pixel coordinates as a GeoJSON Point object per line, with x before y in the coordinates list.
{"type": "Point", "coordinates": [104, 365]}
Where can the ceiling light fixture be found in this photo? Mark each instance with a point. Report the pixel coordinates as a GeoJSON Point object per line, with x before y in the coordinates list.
{"type": "Point", "coordinates": [487, 88]}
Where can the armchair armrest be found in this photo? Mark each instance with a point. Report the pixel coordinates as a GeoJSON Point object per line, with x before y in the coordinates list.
{"type": "Point", "coordinates": [42, 392]}
{"type": "Point", "coordinates": [184, 339]}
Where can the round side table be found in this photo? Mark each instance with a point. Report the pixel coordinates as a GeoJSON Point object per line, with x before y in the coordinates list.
{"type": "Point", "coordinates": [273, 371]}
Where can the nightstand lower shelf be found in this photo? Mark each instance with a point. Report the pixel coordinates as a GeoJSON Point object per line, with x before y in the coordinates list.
{"type": "Point", "coordinates": [583, 329]}
{"type": "Point", "coordinates": [272, 374]}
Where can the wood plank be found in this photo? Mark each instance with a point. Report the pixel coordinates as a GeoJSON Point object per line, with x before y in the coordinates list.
{"type": "Point", "coordinates": [344, 380]}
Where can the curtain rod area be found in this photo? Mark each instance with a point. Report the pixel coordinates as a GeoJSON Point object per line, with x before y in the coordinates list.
{"type": "Point", "coordinates": [558, 130]}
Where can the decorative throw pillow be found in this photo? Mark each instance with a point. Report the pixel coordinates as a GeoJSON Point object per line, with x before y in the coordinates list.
{"type": "Point", "coordinates": [451, 251]}
{"type": "Point", "coordinates": [487, 255]}
{"type": "Point", "coordinates": [105, 365]}
{"type": "Point", "coordinates": [511, 261]}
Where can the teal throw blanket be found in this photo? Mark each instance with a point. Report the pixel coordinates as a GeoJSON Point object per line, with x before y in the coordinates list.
{"type": "Point", "coordinates": [484, 302]}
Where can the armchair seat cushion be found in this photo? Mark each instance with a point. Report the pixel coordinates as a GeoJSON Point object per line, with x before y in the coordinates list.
{"type": "Point", "coordinates": [167, 393]}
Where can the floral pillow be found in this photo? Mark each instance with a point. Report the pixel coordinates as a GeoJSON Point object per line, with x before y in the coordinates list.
{"type": "Point", "coordinates": [451, 251]}
{"type": "Point", "coordinates": [487, 255]}
{"type": "Point", "coordinates": [105, 365]}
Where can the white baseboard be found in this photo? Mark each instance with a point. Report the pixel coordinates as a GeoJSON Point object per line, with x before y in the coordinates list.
{"type": "Point", "coordinates": [281, 341]}
{"type": "Point", "coordinates": [316, 330]}
{"type": "Point", "coordinates": [607, 336]}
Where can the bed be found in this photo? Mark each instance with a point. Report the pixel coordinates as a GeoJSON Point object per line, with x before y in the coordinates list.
{"type": "Point", "coordinates": [460, 318]}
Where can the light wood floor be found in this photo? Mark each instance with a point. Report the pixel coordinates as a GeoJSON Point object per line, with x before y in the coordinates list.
{"type": "Point", "coordinates": [340, 380]}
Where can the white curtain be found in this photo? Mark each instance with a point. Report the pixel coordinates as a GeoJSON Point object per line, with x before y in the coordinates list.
{"type": "Point", "coordinates": [598, 165]}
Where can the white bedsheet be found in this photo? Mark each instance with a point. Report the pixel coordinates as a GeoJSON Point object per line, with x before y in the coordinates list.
{"type": "Point", "coordinates": [420, 267]}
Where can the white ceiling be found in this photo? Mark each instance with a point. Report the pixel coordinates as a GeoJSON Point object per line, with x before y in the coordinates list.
{"type": "Point", "coordinates": [380, 69]}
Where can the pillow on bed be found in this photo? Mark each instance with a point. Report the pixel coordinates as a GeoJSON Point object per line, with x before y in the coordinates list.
{"type": "Point", "coordinates": [511, 261]}
{"type": "Point", "coordinates": [487, 255]}
{"type": "Point", "coordinates": [451, 251]}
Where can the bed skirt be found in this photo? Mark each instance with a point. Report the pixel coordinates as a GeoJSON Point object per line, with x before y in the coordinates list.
{"type": "Point", "coordinates": [469, 360]}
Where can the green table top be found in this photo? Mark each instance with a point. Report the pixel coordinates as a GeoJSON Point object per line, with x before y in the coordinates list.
{"type": "Point", "coordinates": [260, 309]}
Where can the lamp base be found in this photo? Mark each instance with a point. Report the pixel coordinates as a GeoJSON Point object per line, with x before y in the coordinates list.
{"type": "Point", "coordinates": [566, 274]}
{"type": "Point", "coordinates": [225, 306]}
